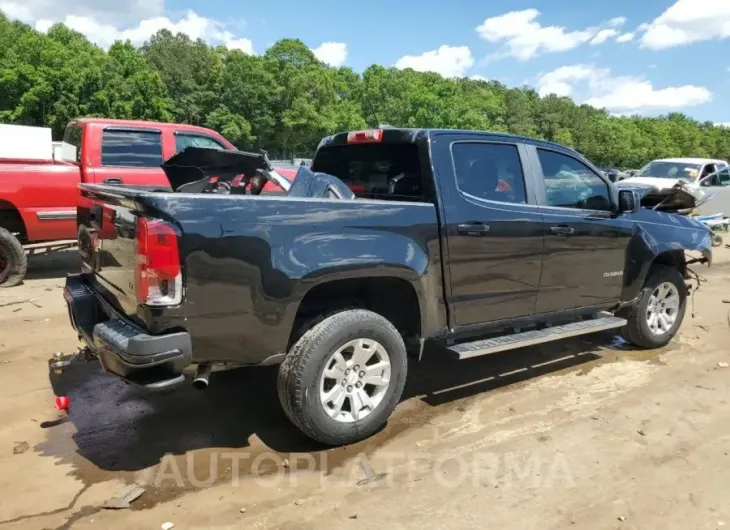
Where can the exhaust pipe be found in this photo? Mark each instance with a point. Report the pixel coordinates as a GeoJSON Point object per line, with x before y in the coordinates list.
{"type": "Point", "coordinates": [202, 377]}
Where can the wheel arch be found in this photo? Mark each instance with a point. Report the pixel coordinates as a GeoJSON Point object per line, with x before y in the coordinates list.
{"type": "Point", "coordinates": [12, 220]}
{"type": "Point", "coordinates": [398, 299]}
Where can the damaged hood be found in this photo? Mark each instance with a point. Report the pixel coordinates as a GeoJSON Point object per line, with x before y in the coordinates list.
{"type": "Point", "coordinates": [655, 182]}
{"type": "Point", "coordinates": [670, 195]}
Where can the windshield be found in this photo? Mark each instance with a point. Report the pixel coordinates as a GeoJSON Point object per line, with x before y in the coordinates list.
{"type": "Point", "coordinates": [671, 170]}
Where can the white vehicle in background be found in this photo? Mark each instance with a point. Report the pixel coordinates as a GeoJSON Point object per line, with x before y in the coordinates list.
{"type": "Point", "coordinates": [676, 184]}
{"type": "Point", "coordinates": [666, 172]}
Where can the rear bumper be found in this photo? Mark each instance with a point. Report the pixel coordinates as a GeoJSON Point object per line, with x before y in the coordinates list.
{"type": "Point", "coordinates": [123, 348]}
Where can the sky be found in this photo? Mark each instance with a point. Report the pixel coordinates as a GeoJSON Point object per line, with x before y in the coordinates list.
{"type": "Point", "coordinates": [644, 57]}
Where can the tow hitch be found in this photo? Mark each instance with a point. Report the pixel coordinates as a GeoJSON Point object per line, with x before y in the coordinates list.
{"type": "Point", "coordinates": [59, 362]}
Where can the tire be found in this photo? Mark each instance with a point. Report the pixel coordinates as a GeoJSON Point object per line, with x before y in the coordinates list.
{"type": "Point", "coordinates": [13, 261]}
{"type": "Point", "coordinates": [301, 378]}
{"type": "Point", "coordinates": [638, 330]}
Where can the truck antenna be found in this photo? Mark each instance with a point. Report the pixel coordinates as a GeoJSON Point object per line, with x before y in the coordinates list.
{"type": "Point", "coordinates": [372, 110]}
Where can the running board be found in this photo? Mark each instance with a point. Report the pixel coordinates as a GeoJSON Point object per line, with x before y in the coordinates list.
{"type": "Point", "coordinates": [467, 350]}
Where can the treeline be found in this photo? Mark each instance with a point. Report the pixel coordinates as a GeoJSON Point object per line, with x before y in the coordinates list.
{"type": "Point", "coordinates": [286, 100]}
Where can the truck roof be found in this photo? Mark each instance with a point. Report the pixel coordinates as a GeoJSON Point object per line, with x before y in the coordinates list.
{"type": "Point", "coordinates": [413, 134]}
{"type": "Point", "coordinates": [692, 160]}
{"type": "Point", "coordinates": [138, 123]}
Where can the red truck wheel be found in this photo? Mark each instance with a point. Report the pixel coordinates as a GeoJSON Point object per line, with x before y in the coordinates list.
{"type": "Point", "coordinates": [13, 261]}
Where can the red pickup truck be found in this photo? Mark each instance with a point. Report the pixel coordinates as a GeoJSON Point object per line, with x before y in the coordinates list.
{"type": "Point", "coordinates": [38, 200]}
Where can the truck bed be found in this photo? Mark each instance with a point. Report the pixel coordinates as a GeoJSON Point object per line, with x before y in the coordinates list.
{"type": "Point", "coordinates": [248, 261]}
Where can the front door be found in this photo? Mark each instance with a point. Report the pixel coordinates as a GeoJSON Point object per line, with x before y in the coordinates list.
{"type": "Point", "coordinates": [493, 229]}
{"type": "Point", "coordinates": [585, 242]}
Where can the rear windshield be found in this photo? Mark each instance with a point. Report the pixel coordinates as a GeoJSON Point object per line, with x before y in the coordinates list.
{"type": "Point", "coordinates": [375, 171]}
{"type": "Point", "coordinates": [71, 145]}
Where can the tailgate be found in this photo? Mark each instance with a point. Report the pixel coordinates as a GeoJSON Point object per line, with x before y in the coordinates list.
{"type": "Point", "coordinates": [114, 236]}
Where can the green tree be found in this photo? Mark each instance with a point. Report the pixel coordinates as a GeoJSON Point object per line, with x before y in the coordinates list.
{"type": "Point", "coordinates": [286, 100]}
{"type": "Point", "coordinates": [191, 71]}
{"type": "Point", "coordinates": [132, 89]}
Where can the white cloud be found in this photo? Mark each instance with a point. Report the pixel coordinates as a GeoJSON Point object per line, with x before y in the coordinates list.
{"type": "Point", "coordinates": [245, 45]}
{"type": "Point", "coordinates": [449, 61]}
{"type": "Point", "coordinates": [43, 25]}
{"type": "Point", "coordinates": [524, 37]}
{"type": "Point", "coordinates": [723, 124]}
{"type": "Point", "coordinates": [104, 24]}
{"type": "Point", "coordinates": [626, 37]}
{"type": "Point", "coordinates": [617, 22]}
{"type": "Point", "coordinates": [108, 12]}
{"type": "Point", "coordinates": [477, 77]}
{"type": "Point", "coordinates": [688, 21]}
{"type": "Point", "coordinates": [603, 35]}
{"type": "Point", "coordinates": [620, 94]}
{"type": "Point", "coordinates": [331, 53]}
{"type": "Point", "coordinates": [560, 81]}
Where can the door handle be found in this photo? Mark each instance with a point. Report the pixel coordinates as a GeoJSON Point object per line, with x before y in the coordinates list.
{"type": "Point", "coordinates": [562, 230]}
{"type": "Point", "coordinates": [473, 229]}
{"type": "Point", "coordinates": [113, 180]}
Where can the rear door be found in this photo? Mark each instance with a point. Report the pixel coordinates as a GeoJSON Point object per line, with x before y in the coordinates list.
{"type": "Point", "coordinates": [493, 227]}
{"type": "Point", "coordinates": [585, 241]}
{"type": "Point", "coordinates": [131, 156]}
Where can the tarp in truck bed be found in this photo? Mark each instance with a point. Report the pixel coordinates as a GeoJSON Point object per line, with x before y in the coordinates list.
{"type": "Point", "coordinates": [197, 164]}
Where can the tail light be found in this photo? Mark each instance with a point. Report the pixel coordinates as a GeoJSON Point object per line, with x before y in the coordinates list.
{"type": "Point", "coordinates": [158, 272]}
{"type": "Point", "coordinates": [365, 137]}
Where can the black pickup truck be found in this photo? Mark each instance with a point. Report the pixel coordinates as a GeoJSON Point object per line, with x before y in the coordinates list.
{"type": "Point", "coordinates": [479, 242]}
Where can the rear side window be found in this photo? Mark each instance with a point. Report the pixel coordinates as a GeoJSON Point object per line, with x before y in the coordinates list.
{"type": "Point", "coordinates": [375, 171]}
{"type": "Point", "coordinates": [196, 140]}
{"type": "Point", "coordinates": [491, 172]}
{"type": "Point", "coordinates": [131, 148]}
{"type": "Point", "coordinates": [71, 145]}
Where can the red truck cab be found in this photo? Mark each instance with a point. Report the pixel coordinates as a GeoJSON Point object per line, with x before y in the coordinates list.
{"type": "Point", "coordinates": [38, 199]}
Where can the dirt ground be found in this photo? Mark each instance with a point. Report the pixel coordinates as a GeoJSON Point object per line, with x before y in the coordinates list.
{"type": "Point", "coordinates": [585, 433]}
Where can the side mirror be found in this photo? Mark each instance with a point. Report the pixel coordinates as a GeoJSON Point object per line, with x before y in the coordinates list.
{"type": "Point", "coordinates": [629, 201]}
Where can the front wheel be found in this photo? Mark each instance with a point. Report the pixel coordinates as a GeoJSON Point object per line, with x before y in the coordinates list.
{"type": "Point", "coordinates": [13, 261]}
{"type": "Point", "coordinates": [344, 377]}
{"type": "Point", "coordinates": [655, 320]}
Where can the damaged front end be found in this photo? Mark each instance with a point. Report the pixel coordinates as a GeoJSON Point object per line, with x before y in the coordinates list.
{"type": "Point", "coordinates": [675, 196]}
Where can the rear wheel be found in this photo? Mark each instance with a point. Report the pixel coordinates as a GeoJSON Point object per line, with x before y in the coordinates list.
{"type": "Point", "coordinates": [344, 377]}
{"type": "Point", "coordinates": [13, 261]}
{"type": "Point", "coordinates": [655, 320]}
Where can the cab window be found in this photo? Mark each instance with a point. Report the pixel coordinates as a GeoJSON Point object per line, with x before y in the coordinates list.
{"type": "Point", "coordinates": [131, 148]}
{"type": "Point", "coordinates": [183, 140]}
{"type": "Point", "coordinates": [492, 172]}
{"type": "Point", "coordinates": [569, 183]}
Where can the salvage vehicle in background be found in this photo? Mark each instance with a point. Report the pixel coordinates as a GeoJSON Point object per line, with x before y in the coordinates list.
{"type": "Point", "coordinates": [476, 242]}
{"type": "Point", "coordinates": [686, 169]}
{"type": "Point", "coordinates": [678, 185]}
{"type": "Point", "coordinates": [39, 193]}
